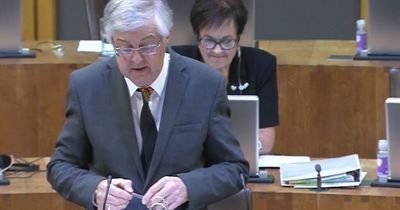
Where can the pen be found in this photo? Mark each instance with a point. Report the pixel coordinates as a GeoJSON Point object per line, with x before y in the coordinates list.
{"type": "Point", "coordinates": [109, 180]}
{"type": "Point", "coordinates": [135, 195]}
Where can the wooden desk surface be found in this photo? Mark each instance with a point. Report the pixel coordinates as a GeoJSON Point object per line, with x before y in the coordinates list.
{"type": "Point", "coordinates": [35, 193]}
{"type": "Point", "coordinates": [317, 52]}
{"type": "Point", "coordinates": [46, 55]}
{"type": "Point", "coordinates": [275, 197]}
{"type": "Point", "coordinates": [32, 191]}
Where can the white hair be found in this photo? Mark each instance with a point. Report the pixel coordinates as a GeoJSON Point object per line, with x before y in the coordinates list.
{"type": "Point", "coordinates": [126, 15]}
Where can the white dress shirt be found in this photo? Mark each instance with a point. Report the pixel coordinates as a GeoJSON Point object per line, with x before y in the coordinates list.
{"type": "Point", "coordinates": [155, 103]}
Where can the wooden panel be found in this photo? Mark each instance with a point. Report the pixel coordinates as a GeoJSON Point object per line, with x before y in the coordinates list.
{"type": "Point", "coordinates": [28, 20]}
{"type": "Point", "coordinates": [46, 23]}
{"type": "Point", "coordinates": [328, 107]}
{"type": "Point", "coordinates": [364, 10]}
{"type": "Point", "coordinates": [329, 111]}
{"type": "Point", "coordinates": [44, 201]}
{"type": "Point", "coordinates": [33, 98]}
{"type": "Point", "coordinates": [275, 197]}
{"type": "Point", "coordinates": [32, 192]}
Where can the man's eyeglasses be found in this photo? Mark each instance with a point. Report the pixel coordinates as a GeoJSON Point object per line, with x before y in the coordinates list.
{"type": "Point", "coordinates": [211, 43]}
{"type": "Point", "coordinates": [143, 50]}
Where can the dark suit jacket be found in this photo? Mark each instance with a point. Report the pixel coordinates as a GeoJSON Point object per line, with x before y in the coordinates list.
{"type": "Point", "coordinates": [194, 142]}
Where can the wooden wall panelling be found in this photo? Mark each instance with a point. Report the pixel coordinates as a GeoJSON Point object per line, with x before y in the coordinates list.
{"type": "Point", "coordinates": [28, 20]}
{"type": "Point", "coordinates": [330, 110]}
{"type": "Point", "coordinates": [46, 23]}
{"type": "Point", "coordinates": [33, 112]}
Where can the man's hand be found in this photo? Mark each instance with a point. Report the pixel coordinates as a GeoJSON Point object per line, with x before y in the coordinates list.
{"type": "Point", "coordinates": [169, 190]}
{"type": "Point", "coordinates": [119, 194]}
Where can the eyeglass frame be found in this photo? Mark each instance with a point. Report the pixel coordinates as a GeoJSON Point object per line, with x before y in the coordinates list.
{"type": "Point", "coordinates": [153, 47]}
{"type": "Point", "coordinates": [218, 42]}
{"type": "Point", "coordinates": [12, 161]}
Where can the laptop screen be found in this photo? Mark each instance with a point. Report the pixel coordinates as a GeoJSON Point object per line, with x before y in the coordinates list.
{"type": "Point", "coordinates": [384, 27]}
{"type": "Point", "coordinates": [10, 25]}
{"type": "Point", "coordinates": [393, 137]}
{"type": "Point", "coordinates": [244, 118]}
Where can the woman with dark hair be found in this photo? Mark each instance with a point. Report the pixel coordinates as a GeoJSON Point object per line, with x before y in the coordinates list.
{"type": "Point", "coordinates": [218, 25]}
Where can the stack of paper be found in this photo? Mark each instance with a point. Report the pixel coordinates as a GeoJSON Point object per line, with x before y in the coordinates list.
{"type": "Point", "coordinates": [335, 172]}
{"type": "Point", "coordinates": [275, 161]}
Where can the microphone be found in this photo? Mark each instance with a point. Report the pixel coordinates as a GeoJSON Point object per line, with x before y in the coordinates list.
{"type": "Point", "coordinates": [318, 169]}
{"type": "Point", "coordinates": [233, 87]}
{"type": "Point", "coordinates": [244, 86]}
{"type": "Point", "coordinates": [319, 179]}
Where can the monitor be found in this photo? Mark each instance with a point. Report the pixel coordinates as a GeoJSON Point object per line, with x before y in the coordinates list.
{"type": "Point", "coordinates": [244, 119]}
{"type": "Point", "coordinates": [10, 30]}
{"type": "Point", "coordinates": [384, 27]}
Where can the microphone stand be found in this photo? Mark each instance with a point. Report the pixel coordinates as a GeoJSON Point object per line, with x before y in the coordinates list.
{"type": "Point", "coordinates": [319, 181]}
{"type": "Point", "coordinates": [3, 179]}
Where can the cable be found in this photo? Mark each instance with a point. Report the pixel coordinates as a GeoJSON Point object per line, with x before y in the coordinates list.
{"type": "Point", "coordinates": [245, 191]}
{"type": "Point", "coordinates": [239, 85]}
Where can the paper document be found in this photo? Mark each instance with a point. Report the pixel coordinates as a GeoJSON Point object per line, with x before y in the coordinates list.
{"type": "Point", "coordinates": [335, 172]}
{"type": "Point", "coordinates": [90, 46]}
{"type": "Point", "coordinates": [275, 161]}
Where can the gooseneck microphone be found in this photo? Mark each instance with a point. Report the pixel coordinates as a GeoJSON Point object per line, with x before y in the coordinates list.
{"type": "Point", "coordinates": [319, 179]}
{"type": "Point", "coordinates": [318, 169]}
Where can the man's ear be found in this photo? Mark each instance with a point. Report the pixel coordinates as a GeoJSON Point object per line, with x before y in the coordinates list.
{"type": "Point", "coordinates": [168, 38]}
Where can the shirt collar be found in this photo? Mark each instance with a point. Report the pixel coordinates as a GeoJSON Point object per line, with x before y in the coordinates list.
{"type": "Point", "coordinates": [158, 84]}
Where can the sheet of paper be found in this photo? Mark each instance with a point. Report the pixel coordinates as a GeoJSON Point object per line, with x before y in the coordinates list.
{"type": "Point", "coordinates": [275, 161]}
{"type": "Point", "coordinates": [90, 46]}
{"type": "Point", "coordinates": [336, 184]}
{"type": "Point", "coordinates": [331, 167]}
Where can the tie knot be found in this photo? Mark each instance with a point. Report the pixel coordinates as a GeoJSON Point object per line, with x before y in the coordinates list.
{"type": "Point", "coordinates": [146, 93]}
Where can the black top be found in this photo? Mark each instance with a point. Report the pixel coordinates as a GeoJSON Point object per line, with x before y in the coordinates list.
{"type": "Point", "coordinates": [258, 69]}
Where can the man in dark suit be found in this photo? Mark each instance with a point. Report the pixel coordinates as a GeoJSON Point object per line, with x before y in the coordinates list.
{"type": "Point", "coordinates": [155, 123]}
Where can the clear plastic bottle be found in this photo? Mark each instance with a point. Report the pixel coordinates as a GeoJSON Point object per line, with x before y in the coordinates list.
{"type": "Point", "coordinates": [361, 36]}
{"type": "Point", "coordinates": [382, 160]}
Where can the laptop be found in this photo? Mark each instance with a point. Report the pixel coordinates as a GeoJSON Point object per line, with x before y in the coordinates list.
{"type": "Point", "coordinates": [393, 137]}
{"type": "Point", "coordinates": [10, 30]}
{"type": "Point", "coordinates": [384, 27]}
{"type": "Point", "coordinates": [244, 118]}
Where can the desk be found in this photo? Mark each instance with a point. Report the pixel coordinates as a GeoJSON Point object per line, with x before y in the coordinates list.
{"type": "Point", "coordinates": [33, 193]}
{"type": "Point", "coordinates": [275, 197]}
{"type": "Point", "coordinates": [36, 194]}
{"type": "Point", "coordinates": [32, 93]}
{"type": "Point", "coordinates": [328, 107]}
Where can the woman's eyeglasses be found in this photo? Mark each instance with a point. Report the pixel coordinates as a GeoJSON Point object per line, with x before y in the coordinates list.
{"type": "Point", "coordinates": [211, 43]}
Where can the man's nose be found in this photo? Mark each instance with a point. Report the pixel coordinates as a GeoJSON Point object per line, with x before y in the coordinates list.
{"type": "Point", "coordinates": [136, 57]}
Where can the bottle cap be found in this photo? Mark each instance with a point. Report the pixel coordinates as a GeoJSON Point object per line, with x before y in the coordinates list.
{"type": "Point", "coordinates": [361, 23]}
{"type": "Point", "coordinates": [382, 144]}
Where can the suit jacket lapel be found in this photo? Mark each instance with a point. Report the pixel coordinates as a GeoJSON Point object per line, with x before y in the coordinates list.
{"type": "Point", "coordinates": [118, 92]}
{"type": "Point", "coordinates": [175, 88]}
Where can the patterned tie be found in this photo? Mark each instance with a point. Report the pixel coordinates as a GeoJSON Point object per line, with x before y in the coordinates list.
{"type": "Point", "coordinates": [148, 129]}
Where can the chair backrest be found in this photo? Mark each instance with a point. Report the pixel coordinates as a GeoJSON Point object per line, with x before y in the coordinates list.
{"type": "Point", "coordinates": [94, 11]}
{"type": "Point", "coordinates": [394, 82]}
{"type": "Point", "coordinates": [239, 201]}
{"type": "Point", "coordinates": [182, 32]}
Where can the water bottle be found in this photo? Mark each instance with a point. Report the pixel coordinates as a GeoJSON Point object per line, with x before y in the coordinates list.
{"type": "Point", "coordinates": [361, 36]}
{"type": "Point", "coordinates": [382, 160]}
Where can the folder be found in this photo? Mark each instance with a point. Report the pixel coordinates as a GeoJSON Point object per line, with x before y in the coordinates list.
{"type": "Point", "coordinates": [342, 171]}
